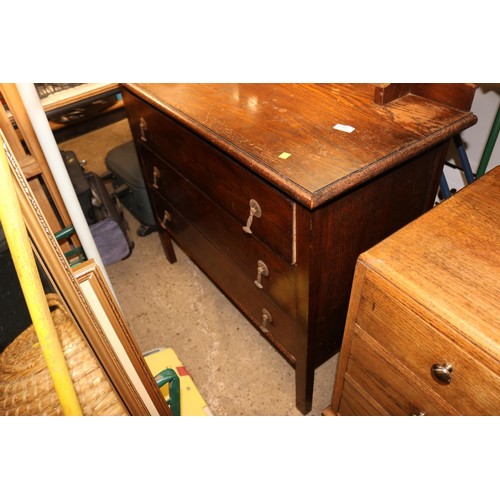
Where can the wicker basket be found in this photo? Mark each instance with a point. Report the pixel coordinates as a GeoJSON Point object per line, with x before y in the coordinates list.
{"type": "Point", "coordinates": [26, 387]}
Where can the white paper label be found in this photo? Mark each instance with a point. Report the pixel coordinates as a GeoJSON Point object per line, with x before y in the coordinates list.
{"type": "Point", "coordinates": [344, 128]}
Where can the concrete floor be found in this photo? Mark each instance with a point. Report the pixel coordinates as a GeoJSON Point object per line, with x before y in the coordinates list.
{"type": "Point", "coordinates": [235, 369]}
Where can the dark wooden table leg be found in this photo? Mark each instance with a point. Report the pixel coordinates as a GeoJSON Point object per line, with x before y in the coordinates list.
{"type": "Point", "coordinates": [168, 248]}
{"type": "Point", "coordinates": [304, 384]}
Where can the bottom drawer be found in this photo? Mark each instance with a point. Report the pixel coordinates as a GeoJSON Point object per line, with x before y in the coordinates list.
{"type": "Point", "coordinates": [355, 403]}
{"type": "Point", "coordinates": [386, 381]}
{"type": "Point", "coordinates": [278, 327]}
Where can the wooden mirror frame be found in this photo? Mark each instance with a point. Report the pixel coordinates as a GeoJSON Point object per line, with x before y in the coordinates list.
{"type": "Point", "coordinates": [93, 306]}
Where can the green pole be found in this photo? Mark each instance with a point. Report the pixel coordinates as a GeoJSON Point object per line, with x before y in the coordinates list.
{"type": "Point", "coordinates": [490, 144]}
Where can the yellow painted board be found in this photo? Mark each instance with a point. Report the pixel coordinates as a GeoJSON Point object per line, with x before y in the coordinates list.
{"type": "Point", "coordinates": [192, 402]}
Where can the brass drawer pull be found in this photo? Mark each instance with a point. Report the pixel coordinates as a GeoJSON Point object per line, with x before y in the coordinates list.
{"type": "Point", "coordinates": [166, 218]}
{"type": "Point", "coordinates": [255, 211]}
{"type": "Point", "coordinates": [156, 176]}
{"type": "Point", "coordinates": [266, 318]}
{"type": "Point", "coordinates": [419, 414]}
{"type": "Point", "coordinates": [261, 270]}
{"type": "Point", "coordinates": [144, 128]}
{"type": "Point", "coordinates": [442, 373]}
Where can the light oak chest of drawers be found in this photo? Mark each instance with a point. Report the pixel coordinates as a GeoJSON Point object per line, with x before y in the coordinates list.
{"type": "Point", "coordinates": [423, 330]}
{"type": "Point", "coordinates": [274, 190]}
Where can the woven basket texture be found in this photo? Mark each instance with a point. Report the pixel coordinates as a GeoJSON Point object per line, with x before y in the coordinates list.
{"type": "Point", "coordinates": [26, 386]}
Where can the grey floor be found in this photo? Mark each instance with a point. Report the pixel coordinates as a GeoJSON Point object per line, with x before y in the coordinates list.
{"type": "Point", "coordinates": [235, 369]}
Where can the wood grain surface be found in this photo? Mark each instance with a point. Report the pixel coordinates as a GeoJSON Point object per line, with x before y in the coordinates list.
{"type": "Point", "coordinates": [256, 123]}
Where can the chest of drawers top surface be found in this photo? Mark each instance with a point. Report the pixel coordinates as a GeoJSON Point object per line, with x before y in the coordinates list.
{"type": "Point", "coordinates": [449, 261]}
{"type": "Point", "coordinates": [294, 135]}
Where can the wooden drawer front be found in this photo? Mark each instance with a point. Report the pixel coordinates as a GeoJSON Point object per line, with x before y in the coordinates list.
{"type": "Point", "coordinates": [225, 181]}
{"type": "Point", "coordinates": [229, 277]}
{"type": "Point", "coordinates": [247, 253]}
{"type": "Point", "coordinates": [382, 377]}
{"type": "Point", "coordinates": [355, 402]}
{"type": "Point", "coordinates": [474, 389]}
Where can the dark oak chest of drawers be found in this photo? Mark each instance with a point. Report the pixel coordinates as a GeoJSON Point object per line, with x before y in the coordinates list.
{"type": "Point", "coordinates": [274, 190]}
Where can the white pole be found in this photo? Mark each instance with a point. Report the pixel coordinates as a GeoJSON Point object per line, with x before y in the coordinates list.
{"type": "Point", "coordinates": [49, 146]}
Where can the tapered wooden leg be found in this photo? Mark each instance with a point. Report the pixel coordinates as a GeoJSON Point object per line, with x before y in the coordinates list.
{"type": "Point", "coordinates": [304, 384]}
{"type": "Point", "coordinates": [168, 248]}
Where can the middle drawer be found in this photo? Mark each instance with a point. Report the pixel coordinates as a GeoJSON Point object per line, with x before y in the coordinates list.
{"type": "Point", "coordinates": [263, 267]}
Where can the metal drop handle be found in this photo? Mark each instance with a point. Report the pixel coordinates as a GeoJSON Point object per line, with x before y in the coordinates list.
{"type": "Point", "coordinates": [261, 270]}
{"type": "Point", "coordinates": [442, 372]}
{"type": "Point", "coordinates": [144, 128]}
{"type": "Point", "coordinates": [156, 176]}
{"type": "Point", "coordinates": [166, 218]}
{"type": "Point", "coordinates": [266, 318]}
{"type": "Point", "coordinates": [255, 211]}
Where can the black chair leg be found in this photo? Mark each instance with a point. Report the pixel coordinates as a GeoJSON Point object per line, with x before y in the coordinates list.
{"type": "Point", "coordinates": [145, 230]}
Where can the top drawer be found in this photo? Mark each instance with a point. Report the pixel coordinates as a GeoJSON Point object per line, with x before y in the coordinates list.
{"type": "Point", "coordinates": [267, 213]}
{"type": "Point", "coordinates": [473, 390]}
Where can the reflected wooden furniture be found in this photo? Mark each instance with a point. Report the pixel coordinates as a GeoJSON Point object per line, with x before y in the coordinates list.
{"type": "Point", "coordinates": [80, 94]}
{"type": "Point", "coordinates": [274, 190]}
{"type": "Point", "coordinates": [76, 109]}
{"type": "Point", "coordinates": [423, 331]}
